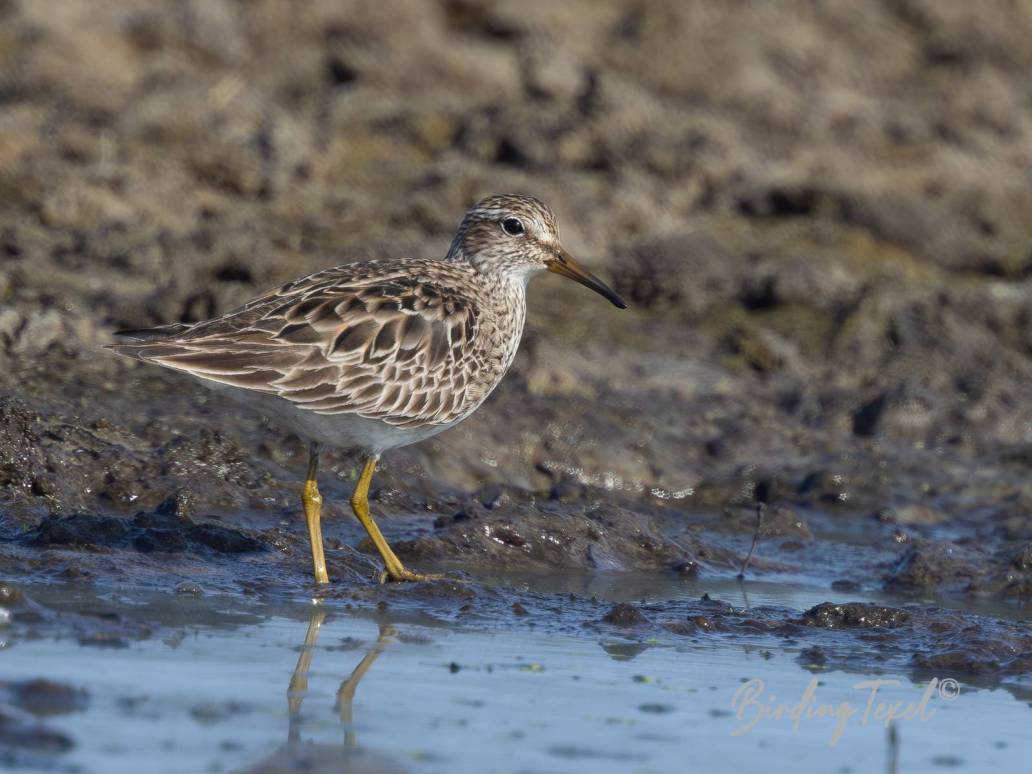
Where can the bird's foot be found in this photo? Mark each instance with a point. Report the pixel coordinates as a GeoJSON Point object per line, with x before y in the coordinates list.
{"type": "Point", "coordinates": [401, 575]}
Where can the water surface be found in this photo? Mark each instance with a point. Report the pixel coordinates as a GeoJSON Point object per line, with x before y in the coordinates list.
{"type": "Point", "coordinates": [227, 684]}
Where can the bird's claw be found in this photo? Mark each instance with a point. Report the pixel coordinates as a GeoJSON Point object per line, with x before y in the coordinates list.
{"type": "Point", "coordinates": [403, 575]}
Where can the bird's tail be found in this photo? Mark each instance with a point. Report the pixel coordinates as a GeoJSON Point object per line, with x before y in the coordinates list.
{"type": "Point", "coordinates": [145, 343]}
{"type": "Point", "coordinates": [151, 334]}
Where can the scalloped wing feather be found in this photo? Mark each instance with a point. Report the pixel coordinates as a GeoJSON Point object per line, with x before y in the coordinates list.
{"type": "Point", "coordinates": [399, 346]}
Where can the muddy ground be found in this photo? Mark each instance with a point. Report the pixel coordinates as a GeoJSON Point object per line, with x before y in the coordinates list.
{"type": "Point", "coordinates": [818, 213]}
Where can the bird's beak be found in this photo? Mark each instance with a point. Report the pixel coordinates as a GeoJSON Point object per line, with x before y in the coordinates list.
{"type": "Point", "coordinates": [563, 264]}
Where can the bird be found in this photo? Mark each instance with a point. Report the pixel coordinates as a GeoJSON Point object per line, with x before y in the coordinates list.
{"type": "Point", "coordinates": [374, 355]}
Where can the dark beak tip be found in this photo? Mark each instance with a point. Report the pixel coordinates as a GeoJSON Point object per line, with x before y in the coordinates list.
{"type": "Point", "coordinates": [569, 268]}
{"type": "Point", "coordinates": [612, 296]}
{"type": "Point", "coordinates": [609, 294]}
{"type": "Point", "coordinates": [615, 300]}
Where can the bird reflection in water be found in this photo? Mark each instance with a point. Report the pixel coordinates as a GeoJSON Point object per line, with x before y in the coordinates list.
{"type": "Point", "coordinates": [299, 755]}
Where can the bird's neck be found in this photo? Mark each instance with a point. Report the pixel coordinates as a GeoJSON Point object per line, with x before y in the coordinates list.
{"type": "Point", "coordinates": [456, 251]}
{"type": "Point", "coordinates": [497, 273]}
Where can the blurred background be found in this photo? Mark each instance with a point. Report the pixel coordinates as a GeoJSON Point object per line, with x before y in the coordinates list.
{"type": "Point", "coordinates": [818, 212]}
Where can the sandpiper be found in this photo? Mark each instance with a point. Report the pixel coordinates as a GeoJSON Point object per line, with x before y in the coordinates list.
{"type": "Point", "coordinates": [375, 355]}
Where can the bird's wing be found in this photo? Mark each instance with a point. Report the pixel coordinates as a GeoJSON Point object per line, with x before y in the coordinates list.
{"type": "Point", "coordinates": [394, 346]}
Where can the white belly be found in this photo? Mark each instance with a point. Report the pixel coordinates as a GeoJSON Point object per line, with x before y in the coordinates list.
{"type": "Point", "coordinates": [347, 431]}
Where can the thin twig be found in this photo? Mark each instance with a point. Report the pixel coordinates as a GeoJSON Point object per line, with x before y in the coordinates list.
{"type": "Point", "coordinates": [893, 762]}
{"type": "Point", "coordinates": [760, 510]}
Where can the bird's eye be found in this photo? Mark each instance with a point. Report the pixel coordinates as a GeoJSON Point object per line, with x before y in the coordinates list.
{"type": "Point", "coordinates": [512, 226]}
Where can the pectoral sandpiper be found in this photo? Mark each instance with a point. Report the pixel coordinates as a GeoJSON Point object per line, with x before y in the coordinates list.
{"type": "Point", "coordinates": [379, 354]}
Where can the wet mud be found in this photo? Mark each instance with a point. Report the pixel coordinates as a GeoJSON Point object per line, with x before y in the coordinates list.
{"type": "Point", "coordinates": [829, 282]}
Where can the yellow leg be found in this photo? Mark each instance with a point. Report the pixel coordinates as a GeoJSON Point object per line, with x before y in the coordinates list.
{"type": "Point", "coordinates": [312, 501]}
{"type": "Point", "coordinates": [394, 570]}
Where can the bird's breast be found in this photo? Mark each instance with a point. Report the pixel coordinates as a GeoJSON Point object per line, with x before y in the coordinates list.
{"type": "Point", "coordinates": [493, 349]}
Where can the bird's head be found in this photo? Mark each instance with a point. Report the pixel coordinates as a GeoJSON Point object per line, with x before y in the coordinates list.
{"type": "Point", "coordinates": [518, 236]}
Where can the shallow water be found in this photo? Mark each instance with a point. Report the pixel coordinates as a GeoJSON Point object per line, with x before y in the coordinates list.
{"type": "Point", "coordinates": [226, 684]}
{"type": "Point", "coordinates": [800, 591]}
